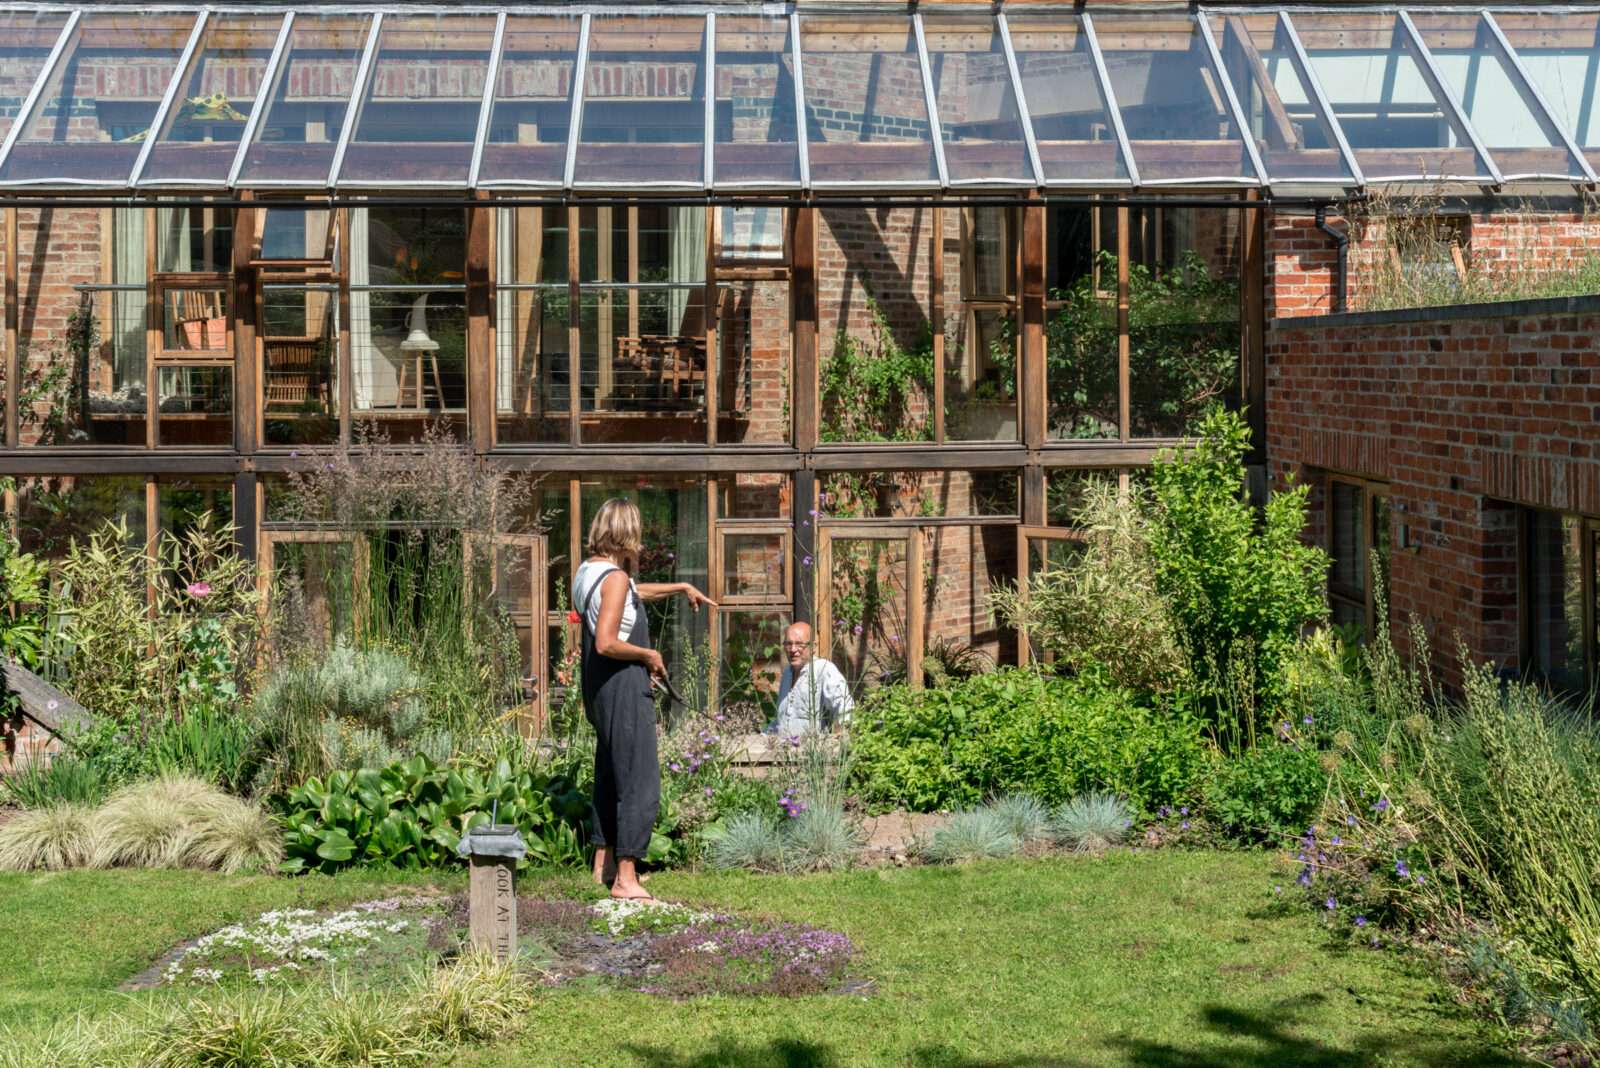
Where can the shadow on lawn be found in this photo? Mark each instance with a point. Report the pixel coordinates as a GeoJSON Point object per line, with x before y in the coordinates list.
{"type": "Point", "coordinates": [1257, 1042]}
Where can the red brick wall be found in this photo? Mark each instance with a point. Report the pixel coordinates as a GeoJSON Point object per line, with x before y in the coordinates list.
{"type": "Point", "coordinates": [1458, 415]}
{"type": "Point", "coordinates": [59, 249]}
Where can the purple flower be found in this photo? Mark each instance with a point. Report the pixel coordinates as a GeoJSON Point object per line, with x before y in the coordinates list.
{"type": "Point", "coordinates": [1184, 826]}
{"type": "Point", "coordinates": [1381, 805]}
{"type": "Point", "coordinates": [1402, 869]}
{"type": "Point", "coordinates": [1304, 878]}
{"type": "Point", "coordinates": [1164, 811]}
{"type": "Point", "coordinates": [198, 589]}
{"type": "Point", "coordinates": [1307, 721]}
{"type": "Point", "coordinates": [1349, 821]}
{"type": "Point", "coordinates": [1361, 921]}
{"type": "Point", "coordinates": [1335, 840]}
{"type": "Point", "coordinates": [1184, 811]}
{"type": "Point", "coordinates": [1330, 904]}
{"type": "Point", "coordinates": [813, 513]}
{"type": "Point", "coordinates": [709, 791]}
{"type": "Point", "coordinates": [806, 561]}
{"type": "Point", "coordinates": [1277, 889]}
{"type": "Point", "coordinates": [856, 629]}
{"type": "Point", "coordinates": [674, 766]}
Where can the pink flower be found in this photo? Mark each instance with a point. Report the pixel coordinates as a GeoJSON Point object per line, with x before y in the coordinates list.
{"type": "Point", "coordinates": [199, 589]}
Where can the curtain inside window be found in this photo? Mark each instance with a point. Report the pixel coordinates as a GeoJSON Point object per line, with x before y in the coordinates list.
{"type": "Point", "coordinates": [127, 328]}
{"type": "Point", "coordinates": [687, 229]}
{"type": "Point", "coordinates": [374, 375]}
{"type": "Point", "coordinates": [505, 310]}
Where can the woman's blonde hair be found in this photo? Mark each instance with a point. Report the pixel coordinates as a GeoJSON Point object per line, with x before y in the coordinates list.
{"type": "Point", "coordinates": [616, 531]}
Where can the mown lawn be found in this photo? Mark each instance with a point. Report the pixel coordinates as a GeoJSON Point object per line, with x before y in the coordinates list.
{"type": "Point", "coordinates": [1139, 959]}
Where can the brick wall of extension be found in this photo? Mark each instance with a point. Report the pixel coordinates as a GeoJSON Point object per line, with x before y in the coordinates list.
{"type": "Point", "coordinates": [1466, 413]}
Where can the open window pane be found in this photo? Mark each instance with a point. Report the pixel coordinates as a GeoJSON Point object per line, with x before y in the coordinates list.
{"type": "Point", "coordinates": [25, 43]}
{"type": "Point", "coordinates": [295, 140]}
{"type": "Point", "coordinates": [532, 112]}
{"type": "Point", "coordinates": [1390, 115]}
{"type": "Point", "coordinates": [866, 112]}
{"type": "Point", "coordinates": [196, 406]}
{"type": "Point", "coordinates": [1508, 121]}
{"type": "Point", "coordinates": [299, 357]}
{"type": "Point", "coordinates": [757, 135]}
{"type": "Point", "coordinates": [753, 346]}
{"type": "Point", "coordinates": [1293, 134]}
{"type": "Point", "coordinates": [202, 131]}
{"type": "Point", "coordinates": [419, 119]}
{"type": "Point", "coordinates": [751, 666]}
{"type": "Point", "coordinates": [1070, 117]}
{"type": "Point", "coordinates": [644, 116]}
{"type": "Point", "coordinates": [979, 118]}
{"type": "Point", "coordinates": [1562, 57]}
{"type": "Point", "coordinates": [980, 385]}
{"type": "Point", "coordinates": [1555, 599]}
{"type": "Point", "coordinates": [867, 594]}
{"type": "Point", "coordinates": [96, 111]}
{"type": "Point", "coordinates": [1173, 105]}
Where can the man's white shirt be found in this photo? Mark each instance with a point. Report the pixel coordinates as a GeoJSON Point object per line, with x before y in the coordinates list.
{"type": "Point", "coordinates": [815, 697]}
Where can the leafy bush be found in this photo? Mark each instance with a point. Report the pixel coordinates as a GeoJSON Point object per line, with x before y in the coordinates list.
{"type": "Point", "coordinates": [1102, 611]}
{"type": "Point", "coordinates": [1017, 731]}
{"type": "Point", "coordinates": [144, 667]}
{"type": "Point", "coordinates": [1241, 586]}
{"type": "Point", "coordinates": [412, 813]}
{"type": "Point", "coordinates": [1092, 822]}
{"type": "Point", "coordinates": [1269, 793]}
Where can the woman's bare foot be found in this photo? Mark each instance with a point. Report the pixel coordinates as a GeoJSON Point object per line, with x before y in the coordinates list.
{"type": "Point", "coordinates": [627, 884]}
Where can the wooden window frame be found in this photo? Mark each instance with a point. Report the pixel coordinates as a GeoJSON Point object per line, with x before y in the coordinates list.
{"type": "Point", "coordinates": [1589, 534]}
{"type": "Point", "coordinates": [1366, 598]}
{"type": "Point", "coordinates": [874, 530]}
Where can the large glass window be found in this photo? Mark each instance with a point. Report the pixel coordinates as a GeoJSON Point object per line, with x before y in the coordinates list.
{"type": "Point", "coordinates": [644, 111]}
{"type": "Point", "coordinates": [533, 364]}
{"type": "Point", "coordinates": [980, 119]}
{"type": "Point", "coordinates": [28, 38]}
{"type": "Point", "coordinates": [1520, 138]}
{"type": "Point", "coordinates": [89, 125]}
{"type": "Point", "coordinates": [1564, 62]}
{"type": "Point", "coordinates": [305, 112]}
{"type": "Point", "coordinates": [1396, 122]}
{"type": "Point", "coordinates": [200, 137]}
{"type": "Point", "coordinates": [408, 330]}
{"type": "Point", "coordinates": [1358, 543]}
{"type": "Point", "coordinates": [1173, 102]}
{"type": "Point", "coordinates": [982, 345]}
{"type": "Point", "coordinates": [299, 334]}
{"type": "Point", "coordinates": [1559, 599]}
{"type": "Point", "coordinates": [532, 113]}
{"type": "Point", "coordinates": [419, 118]}
{"type": "Point", "coordinates": [1072, 121]}
{"type": "Point", "coordinates": [55, 512]}
{"type": "Point", "coordinates": [757, 135]}
{"type": "Point", "coordinates": [1293, 134]}
{"type": "Point", "coordinates": [866, 109]}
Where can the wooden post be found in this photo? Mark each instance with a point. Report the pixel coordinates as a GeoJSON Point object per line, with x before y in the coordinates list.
{"type": "Point", "coordinates": [346, 372]}
{"type": "Point", "coordinates": [246, 518]}
{"type": "Point", "coordinates": [152, 328]}
{"type": "Point", "coordinates": [13, 384]}
{"type": "Point", "coordinates": [1124, 383]}
{"type": "Point", "coordinates": [806, 545]}
{"type": "Point", "coordinates": [1032, 384]}
{"type": "Point", "coordinates": [244, 302]}
{"type": "Point", "coordinates": [709, 320]}
{"type": "Point", "coordinates": [936, 314]}
{"type": "Point", "coordinates": [481, 401]}
{"type": "Point", "coordinates": [803, 326]}
{"type": "Point", "coordinates": [492, 853]}
{"type": "Point", "coordinates": [1253, 357]}
{"type": "Point", "coordinates": [574, 339]}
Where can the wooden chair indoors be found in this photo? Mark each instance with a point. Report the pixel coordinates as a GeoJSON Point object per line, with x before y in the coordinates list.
{"type": "Point", "coordinates": [659, 371]}
{"type": "Point", "coordinates": [293, 376]}
{"type": "Point", "coordinates": [201, 321]}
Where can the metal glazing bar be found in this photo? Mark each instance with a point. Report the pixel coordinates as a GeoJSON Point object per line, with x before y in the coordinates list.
{"type": "Point", "coordinates": [31, 102]}
{"type": "Point", "coordinates": [711, 96]}
{"type": "Point", "coordinates": [158, 125]}
{"type": "Point", "coordinates": [799, 101]}
{"type": "Point", "coordinates": [1442, 91]}
{"type": "Point", "coordinates": [1022, 103]}
{"type": "Point", "coordinates": [1109, 97]}
{"type": "Point", "coordinates": [1531, 90]}
{"type": "Point", "coordinates": [487, 106]}
{"type": "Point", "coordinates": [1302, 64]}
{"type": "Point", "coordinates": [934, 128]}
{"type": "Point", "coordinates": [358, 96]}
{"type": "Point", "coordinates": [580, 74]}
{"type": "Point", "coordinates": [269, 88]}
{"type": "Point", "coordinates": [1203, 24]}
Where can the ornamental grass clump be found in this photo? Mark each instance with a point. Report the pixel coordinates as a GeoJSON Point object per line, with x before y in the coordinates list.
{"type": "Point", "coordinates": [476, 998]}
{"type": "Point", "coordinates": [1092, 822]}
{"type": "Point", "coordinates": [752, 840]}
{"type": "Point", "coordinates": [53, 838]}
{"type": "Point", "coordinates": [975, 834]}
{"type": "Point", "coordinates": [1027, 817]}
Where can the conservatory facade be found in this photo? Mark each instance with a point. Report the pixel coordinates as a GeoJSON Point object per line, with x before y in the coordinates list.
{"type": "Point", "coordinates": [851, 297]}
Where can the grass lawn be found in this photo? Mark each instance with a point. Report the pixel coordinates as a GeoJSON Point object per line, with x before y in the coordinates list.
{"type": "Point", "coordinates": [1149, 959]}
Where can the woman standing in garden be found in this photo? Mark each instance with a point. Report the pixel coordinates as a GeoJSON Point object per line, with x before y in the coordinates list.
{"type": "Point", "coordinates": [619, 669]}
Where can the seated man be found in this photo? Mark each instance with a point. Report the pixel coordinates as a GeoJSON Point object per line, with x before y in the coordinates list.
{"type": "Point", "coordinates": [813, 693]}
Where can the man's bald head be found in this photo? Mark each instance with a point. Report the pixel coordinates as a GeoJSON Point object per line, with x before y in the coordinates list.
{"type": "Point", "coordinates": [797, 644]}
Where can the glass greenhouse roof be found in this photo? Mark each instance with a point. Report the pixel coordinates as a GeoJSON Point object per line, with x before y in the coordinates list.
{"type": "Point", "coordinates": [780, 99]}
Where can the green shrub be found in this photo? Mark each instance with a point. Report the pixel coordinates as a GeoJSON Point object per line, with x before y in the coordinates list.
{"type": "Point", "coordinates": [1241, 585]}
{"type": "Point", "coordinates": [1017, 731]}
{"type": "Point", "coordinates": [411, 814]}
{"type": "Point", "coordinates": [62, 778]}
{"type": "Point", "coordinates": [1269, 793]}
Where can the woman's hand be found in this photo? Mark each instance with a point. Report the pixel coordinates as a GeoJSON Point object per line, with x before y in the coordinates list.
{"type": "Point", "coordinates": [654, 664]}
{"type": "Point", "coordinates": [696, 598]}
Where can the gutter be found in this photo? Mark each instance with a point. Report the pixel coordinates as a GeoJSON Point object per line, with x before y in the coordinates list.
{"type": "Point", "coordinates": [1341, 241]}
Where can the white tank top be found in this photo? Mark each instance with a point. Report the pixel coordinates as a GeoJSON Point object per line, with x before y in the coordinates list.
{"type": "Point", "coordinates": [589, 573]}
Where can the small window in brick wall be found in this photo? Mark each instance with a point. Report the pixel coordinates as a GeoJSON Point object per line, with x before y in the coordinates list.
{"type": "Point", "coordinates": [1560, 598]}
{"type": "Point", "coordinates": [1358, 542]}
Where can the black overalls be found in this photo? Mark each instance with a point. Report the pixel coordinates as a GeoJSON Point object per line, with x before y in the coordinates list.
{"type": "Point", "coordinates": [618, 702]}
